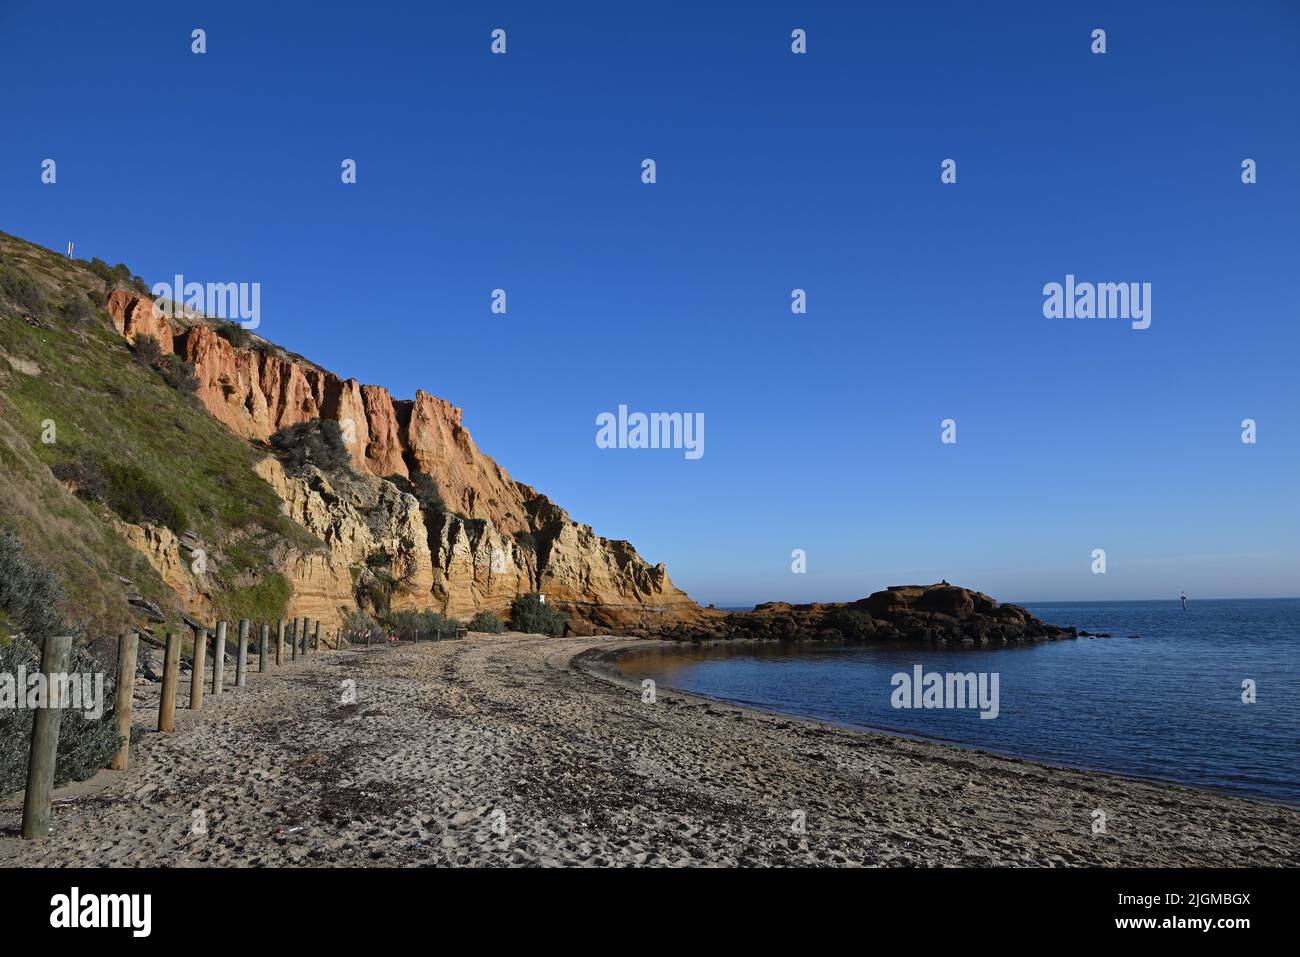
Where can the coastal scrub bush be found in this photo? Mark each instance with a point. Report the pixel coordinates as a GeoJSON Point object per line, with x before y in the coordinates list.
{"type": "Point", "coordinates": [76, 309]}
{"type": "Point", "coordinates": [421, 626]}
{"type": "Point", "coordinates": [318, 442]}
{"type": "Point", "coordinates": [30, 596]}
{"type": "Point", "coordinates": [528, 613]}
{"type": "Point", "coordinates": [147, 350]}
{"type": "Point", "coordinates": [234, 333]}
{"type": "Point", "coordinates": [487, 621]}
{"type": "Point", "coordinates": [176, 372]}
{"type": "Point", "coordinates": [21, 291]}
{"type": "Point", "coordinates": [101, 269]}
{"type": "Point", "coordinates": [376, 589]}
{"type": "Point", "coordinates": [358, 625]}
{"type": "Point", "coordinates": [119, 275]}
{"type": "Point", "coordinates": [133, 495]}
{"type": "Point", "coordinates": [85, 743]}
{"type": "Point", "coordinates": [179, 374]}
{"type": "Point", "coordinates": [526, 540]}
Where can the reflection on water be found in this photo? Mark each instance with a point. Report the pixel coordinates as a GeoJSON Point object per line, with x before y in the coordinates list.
{"type": "Point", "coordinates": [1166, 705]}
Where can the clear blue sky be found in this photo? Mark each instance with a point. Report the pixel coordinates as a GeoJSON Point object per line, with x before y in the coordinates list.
{"type": "Point", "coordinates": [775, 171]}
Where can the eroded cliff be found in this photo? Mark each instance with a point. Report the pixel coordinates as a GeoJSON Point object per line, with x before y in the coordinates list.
{"type": "Point", "coordinates": [497, 537]}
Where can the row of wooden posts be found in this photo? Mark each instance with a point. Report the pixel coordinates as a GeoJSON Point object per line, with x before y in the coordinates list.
{"type": "Point", "coordinates": [54, 663]}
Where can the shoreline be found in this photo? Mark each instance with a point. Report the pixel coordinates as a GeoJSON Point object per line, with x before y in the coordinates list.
{"type": "Point", "coordinates": [604, 665]}
{"type": "Point", "coordinates": [510, 751]}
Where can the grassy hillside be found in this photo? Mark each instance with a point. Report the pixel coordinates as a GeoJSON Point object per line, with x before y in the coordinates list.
{"type": "Point", "coordinates": [132, 445]}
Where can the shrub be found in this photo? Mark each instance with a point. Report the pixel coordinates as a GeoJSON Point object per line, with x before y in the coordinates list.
{"type": "Point", "coordinates": [421, 626]}
{"type": "Point", "coordinates": [85, 743]}
{"type": "Point", "coordinates": [85, 475]}
{"type": "Point", "coordinates": [21, 291]}
{"type": "Point", "coordinates": [102, 269]}
{"type": "Point", "coordinates": [487, 621]}
{"type": "Point", "coordinates": [138, 498]}
{"type": "Point", "coordinates": [176, 372]}
{"type": "Point", "coordinates": [29, 598]}
{"type": "Point", "coordinates": [528, 613]}
{"type": "Point", "coordinates": [318, 442]}
{"type": "Point", "coordinates": [119, 275]}
{"type": "Point", "coordinates": [30, 595]}
{"type": "Point", "coordinates": [234, 333]}
{"type": "Point", "coordinates": [376, 590]}
{"type": "Point", "coordinates": [179, 374]}
{"type": "Point", "coordinates": [358, 625]}
{"type": "Point", "coordinates": [147, 350]}
{"type": "Point", "coordinates": [129, 492]}
{"type": "Point", "coordinates": [76, 309]}
{"type": "Point", "coordinates": [526, 540]}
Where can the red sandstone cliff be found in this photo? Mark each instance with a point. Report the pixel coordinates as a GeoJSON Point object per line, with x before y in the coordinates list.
{"type": "Point", "coordinates": [454, 567]}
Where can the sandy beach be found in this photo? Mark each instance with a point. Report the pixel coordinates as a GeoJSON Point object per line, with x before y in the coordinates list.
{"type": "Point", "coordinates": [520, 750]}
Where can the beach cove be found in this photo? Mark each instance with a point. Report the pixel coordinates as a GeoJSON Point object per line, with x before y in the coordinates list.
{"type": "Point", "coordinates": [521, 750]}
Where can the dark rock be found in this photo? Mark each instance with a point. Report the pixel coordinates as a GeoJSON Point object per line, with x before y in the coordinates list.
{"type": "Point", "coordinates": [941, 612]}
{"type": "Point", "coordinates": [150, 609]}
{"type": "Point", "coordinates": [950, 600]}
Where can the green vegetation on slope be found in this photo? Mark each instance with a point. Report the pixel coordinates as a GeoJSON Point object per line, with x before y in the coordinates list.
{"type": "Point", "coordinates": [71, 392]}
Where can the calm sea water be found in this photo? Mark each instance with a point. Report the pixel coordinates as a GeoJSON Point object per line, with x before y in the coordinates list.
{"type": "Point", "coordinates": [1165, 705]}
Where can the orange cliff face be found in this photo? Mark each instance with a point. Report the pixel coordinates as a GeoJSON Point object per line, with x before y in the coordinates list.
{"type": "Point", "coordinates": [602, 584]}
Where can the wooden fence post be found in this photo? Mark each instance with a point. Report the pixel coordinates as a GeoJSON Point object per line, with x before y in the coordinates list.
{"type": "Point", "coordinates": [171, 671]}
{"type": "Point", "coordinates": [126, 652]}
{"type": "Point", "coordinates": [316, 637]}
{"type": "Point", "coordinates": [262, 648]}
{"type": "Point", "coordinates": [241, 659]}
{"type": "Point", "coordinates": [200, 666]}
{"type": "Point", "coordinates": [45, 738]}
{"type": "Point", "coordinates": [293, 639]}
{"type": "Point", "coordinates": [279, 642]}
{"type": "Point", "coordinates": [302, 636]}
{"type": "Point", "coordinates": [219, 658]}
{"type": "Point", "coordinates": [368, 634]}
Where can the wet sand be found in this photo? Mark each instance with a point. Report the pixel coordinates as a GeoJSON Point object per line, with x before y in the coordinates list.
{"type": "Point", "coordinates": [520, 750]}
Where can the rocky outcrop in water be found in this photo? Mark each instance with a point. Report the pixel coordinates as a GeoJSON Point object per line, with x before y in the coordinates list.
{"type": "Point", "coordinates": [939, 612]}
